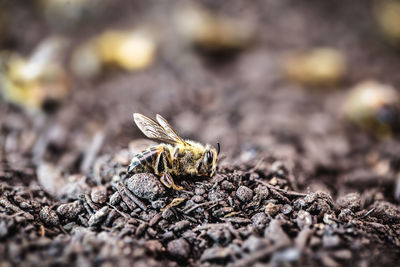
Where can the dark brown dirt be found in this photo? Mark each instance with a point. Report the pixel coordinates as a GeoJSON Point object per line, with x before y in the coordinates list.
{"type": "Point", "coordinates": [295, 185]}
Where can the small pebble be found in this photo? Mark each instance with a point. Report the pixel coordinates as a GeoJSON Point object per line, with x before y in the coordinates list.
{"type": "Point", "coordinates": [262, 192]}
{"type": "Point", "coordinates": [220, 235]}
{"type": "Point", "coordinates": [190, 236]}
{"type": "Point", "coordinates": [151, 232]}
{"type": "Point", "coordinates": [271, 209]}
{"type": "Point", "coordinates": [49, 217]}
{"type": "Point", "coordinates": [179, 249]}
{"type": "Point", "coordinates": [199, 191]}
{"type": "Point", "coordinates": [228, 186]}
{"type": "Point", "coordinates": [216, 195]}
{"type": "Point", "coordinates": [99, 194]}
{"type": "Point", "coordinates": [167, 214]}
{"type": "Point", "coordinates": [158, 204]}
{"type": "Point", "coordinates": [70, 210]}
{"type": "Point", "coordinates": [115, 198]}
{"type": "Point", "coordinates": [99, 216]}
{"type": "Point", "coordinates": [260, 221]}
{"type": "Point", "coordinates": [147, 216]}
{"type": "Point", "coordinates": [286, 209]}
{"type": "Point", "coordinates": [197, 198]}
{"type": "Point", "coordinates": [303, 219]}
{"type": "Point", "coordinates": [156, 218]}
{"type": "Point", "coordinates": [273, 181]}
{"type": "Point", "coordinates": [244, 193]}
{"type": "Point", "coordinates": [145, 185]}
{"type": "Point", "coordinates": [181, 225]}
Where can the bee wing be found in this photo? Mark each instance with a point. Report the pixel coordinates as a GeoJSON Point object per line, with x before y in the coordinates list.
{"type": "Point", "coordinates": [152, 129]}
{"type": "Point", "coordinates": [169, 130]}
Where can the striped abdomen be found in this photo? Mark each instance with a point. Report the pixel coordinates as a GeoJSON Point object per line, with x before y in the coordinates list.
{"type": "Point", "coordinates": [144, 161]}
{"type": "Point", "coordinates": [155, 160]}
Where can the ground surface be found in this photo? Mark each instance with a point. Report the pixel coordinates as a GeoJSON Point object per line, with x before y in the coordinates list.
{"type": "Point", "coordinates": [296, 185]}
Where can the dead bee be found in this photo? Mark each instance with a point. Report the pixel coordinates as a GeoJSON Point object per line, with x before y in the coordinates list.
{"type": "Point", "coordinates": [176, 158]}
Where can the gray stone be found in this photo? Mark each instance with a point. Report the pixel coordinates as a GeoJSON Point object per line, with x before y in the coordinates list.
{"type": "Point", "coordinates": [145, 185]}
{"type": "Point", "coordinates": [244, 193]}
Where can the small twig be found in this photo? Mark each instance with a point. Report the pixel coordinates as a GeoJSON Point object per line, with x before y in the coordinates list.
{"type": "Point", "coordinates": [278, 195]}
{"type": "Point", "coordinates": [155, 219]}
{"type": "Point", "coordinates": [201, 205]}
{"type": "Point", "coordinates": [286, 192]}
{"type": "Point", "coordinates": [11, 207]}
{"type": "Point", "coordinates": [122, 189]}
{"type": "Point", "coordinates": [123, 214]}
{"type": "Point", "coordinates": [86, 205]}
{"type": "Point", "coordinates": [212, 206]}
{"type": "Point", "coordinates": [190, 218]}
{"type": "Point", "coordinates": [368, 213]}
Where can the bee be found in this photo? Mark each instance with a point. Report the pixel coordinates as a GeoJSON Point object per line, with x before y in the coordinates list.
{"type": "Point", "coordinates": [173, 158]}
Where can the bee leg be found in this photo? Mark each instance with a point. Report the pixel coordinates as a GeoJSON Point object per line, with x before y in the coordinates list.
{"type": "Point", "coordinates": [174, 202]}
{"type": "Point", "coordinates": [167, 180]}
{"type": "Point", "coordinates": [177, 187]}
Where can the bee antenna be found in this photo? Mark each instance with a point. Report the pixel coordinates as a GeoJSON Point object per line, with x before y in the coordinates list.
{"type": "Point", "coordinates": [218, 148]}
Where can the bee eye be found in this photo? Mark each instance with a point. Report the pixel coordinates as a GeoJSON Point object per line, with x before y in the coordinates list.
{"type": "Point", "coordinates": [209, 156]}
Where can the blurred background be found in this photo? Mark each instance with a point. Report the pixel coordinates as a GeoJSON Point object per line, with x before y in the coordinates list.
{"type": "Point", "coordinates": [314, 83]}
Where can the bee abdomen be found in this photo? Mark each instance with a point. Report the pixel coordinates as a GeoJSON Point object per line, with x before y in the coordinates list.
{"type": "Point", "coordinates": [143, 162]}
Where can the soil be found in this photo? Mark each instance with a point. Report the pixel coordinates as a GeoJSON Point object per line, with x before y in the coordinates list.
{"type": "Point", "coordinates": [295, 185]}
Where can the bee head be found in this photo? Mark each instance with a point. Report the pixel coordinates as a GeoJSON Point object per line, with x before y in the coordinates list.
{"type": "Point", "coordinates": [209, 161]}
